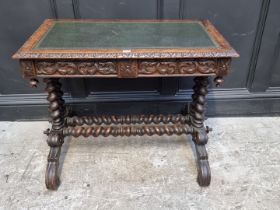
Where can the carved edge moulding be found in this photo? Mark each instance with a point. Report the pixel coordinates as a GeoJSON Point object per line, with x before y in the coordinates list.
{"type": "Point", "coordinates": [125, 68]}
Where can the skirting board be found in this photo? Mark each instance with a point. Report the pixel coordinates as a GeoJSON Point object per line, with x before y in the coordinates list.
{"type": "Point", "coordinates": [221, 102]}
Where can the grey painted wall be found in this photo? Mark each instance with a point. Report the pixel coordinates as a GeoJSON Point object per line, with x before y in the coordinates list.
{"type": "Point", "coordinates": [252, 27]}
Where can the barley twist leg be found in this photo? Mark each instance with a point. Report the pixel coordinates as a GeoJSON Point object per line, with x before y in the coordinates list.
{"type": "Point", "coordinates": [55, 135]}
{"type": "Point", "coordinates": [200, 138]}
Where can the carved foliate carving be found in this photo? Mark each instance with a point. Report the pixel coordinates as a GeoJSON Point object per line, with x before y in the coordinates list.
{"type": "Point", "coordinates": [147, 67]}
{"type": "Point", "coordinates": [167, 67]}
{"type": "Point", "coordinates": [128, 68]}
{"type": "Point", "coordinates": [65, 68]}
{"type": "Point", "coordinates": [47, 68]}
{"type": "Point", "coordinates": [206, 67]}
{"type": "Point", "coordinates": [187, 67]}
{"type": "Point", "coordinates": [87, 68]}
{"type": "Point", "coordinates": [179, 67]}
{"type": "Point", "coordinates": [107, 67]}
{"type": "Point", "coordinates": [75, 68]}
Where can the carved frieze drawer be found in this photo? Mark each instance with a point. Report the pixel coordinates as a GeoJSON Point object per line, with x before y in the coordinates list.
{"type": "Point", "coordinates": [125, 68]}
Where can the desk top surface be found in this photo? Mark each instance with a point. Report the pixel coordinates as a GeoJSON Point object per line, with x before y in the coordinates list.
{"type": "Point", "coordinates": [89, 39]}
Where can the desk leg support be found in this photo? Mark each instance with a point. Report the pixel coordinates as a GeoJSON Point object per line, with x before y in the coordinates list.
{"type": "Point", "coordinates": [55, 135]}
{"type": "Point", "coordinates": [200, 138]}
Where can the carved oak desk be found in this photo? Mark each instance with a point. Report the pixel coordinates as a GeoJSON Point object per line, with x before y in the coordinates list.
{"type": "Point", "coordinates": [125, 49]}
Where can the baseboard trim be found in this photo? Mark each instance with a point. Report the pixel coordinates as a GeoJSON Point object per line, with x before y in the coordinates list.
{"type": "Point", "coordinates": [221, 102]}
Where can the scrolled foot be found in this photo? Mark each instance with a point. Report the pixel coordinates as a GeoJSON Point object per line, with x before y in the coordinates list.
{"type": "Point", "coordinates": [52, 179]}
{"type": "Point", "coordinates": [203, 168]}
{"type": "Point", "coordinates": [204, 174]}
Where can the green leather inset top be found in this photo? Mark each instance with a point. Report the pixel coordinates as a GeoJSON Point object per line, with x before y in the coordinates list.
{"type": "Point", "coordinates": [125, 35]}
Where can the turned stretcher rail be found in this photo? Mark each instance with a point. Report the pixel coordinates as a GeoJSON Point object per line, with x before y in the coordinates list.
{"type": "Point", "coordinates": [126, 119]}
{"type": "Point", "coordinates": [131, 130]}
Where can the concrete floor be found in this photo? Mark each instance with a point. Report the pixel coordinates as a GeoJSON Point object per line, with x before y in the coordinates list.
{"type": "Point", "coordinates": [144, 173]}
